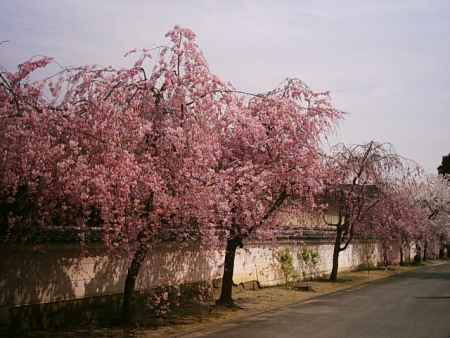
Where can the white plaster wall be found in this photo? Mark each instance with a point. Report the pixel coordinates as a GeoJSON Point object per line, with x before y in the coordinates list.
{"type": "Point", "coordinates": [261, 263]}
{"type": "Point", "coordinates": [28, 277]}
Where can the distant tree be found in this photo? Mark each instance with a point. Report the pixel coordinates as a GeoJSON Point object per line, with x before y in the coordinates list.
{"type": "Point", "coordinates": [432, 194]}
{"type": "Point", "coordinates": [354, 187]}
{"type": "Point", "coordinates": [397, 218]}
{"type": "Point", "coordinates": [444, 168]}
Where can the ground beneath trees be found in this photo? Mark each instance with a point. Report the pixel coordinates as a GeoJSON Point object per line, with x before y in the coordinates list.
{"type": "Point", "coordinates": [199, 319]}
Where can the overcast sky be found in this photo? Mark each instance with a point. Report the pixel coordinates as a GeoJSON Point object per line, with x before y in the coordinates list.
{"type": "Point", "coordinates": [386, 63]}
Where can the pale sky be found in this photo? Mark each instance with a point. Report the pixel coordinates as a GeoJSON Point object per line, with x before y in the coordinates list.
{"type": "Point", "coordinates": [386, 63]}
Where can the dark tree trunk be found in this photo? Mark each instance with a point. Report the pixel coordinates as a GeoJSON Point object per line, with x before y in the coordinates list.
{"type": "Point", "coordinates": [226, 298]}
{"type": "Point", "coordinates": [418, 255]}
{"type": "Point", "coordinates": [425, 251]}
{"type": "Point", "coordinates": [402, 260]}
{"type": "Point", "coordinates": [336, 250]}
{"type": "Point", "coordinates": [130, 285]}
{"type": "Point", "coordinates": [408, 256]}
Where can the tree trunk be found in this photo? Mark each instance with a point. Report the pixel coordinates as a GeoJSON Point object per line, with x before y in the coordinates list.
{"type": "Point", "coordinates": [402, 261]}
{"type": "Point", "coordinates": [336, 250]}
{"type": "Point", "coordinates": [418, 255]}
{"type": "Point", "coordinates": [228, 268]}
{"type": "Point", "coordinates": [425, 251]}
{"type": "Point", "coordinates": [130, 285]}
{"type": "Point", "coordinates": [408, 256]}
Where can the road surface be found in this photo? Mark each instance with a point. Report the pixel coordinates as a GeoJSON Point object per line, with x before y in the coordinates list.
{"type": "Point", "coordinates": [411, 305]}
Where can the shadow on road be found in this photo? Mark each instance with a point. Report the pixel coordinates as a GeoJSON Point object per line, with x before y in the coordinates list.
{"type": "Point", "coordinates": [437, 272]}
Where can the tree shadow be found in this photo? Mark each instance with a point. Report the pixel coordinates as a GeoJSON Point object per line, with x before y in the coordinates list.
{"type": "Point", "coordinates": [425, 275]}
{"type": "Point", "coordinates": [87, 288]}
{"type": "Point", "coordinates": [30, 276]}
{"type": "Point", "coordinates": [327, 280]}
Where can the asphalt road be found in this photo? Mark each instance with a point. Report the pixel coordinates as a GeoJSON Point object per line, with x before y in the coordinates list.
{"type": "Point", "coordinates": [415, 304]}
